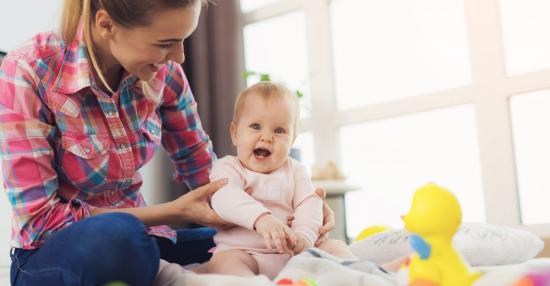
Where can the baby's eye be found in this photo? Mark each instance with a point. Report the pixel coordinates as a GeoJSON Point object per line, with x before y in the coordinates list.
{"type": "Point", "coordinates": [280, 130]}
{"type": "Point", "coordinates": [255, 126]}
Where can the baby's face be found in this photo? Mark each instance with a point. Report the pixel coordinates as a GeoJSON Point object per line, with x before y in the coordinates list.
{"type": "Point", "coordinates": [264, 134]}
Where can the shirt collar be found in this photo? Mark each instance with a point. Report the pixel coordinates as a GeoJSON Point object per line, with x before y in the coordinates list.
{"type": "Point", "coordinates": [76, 71]}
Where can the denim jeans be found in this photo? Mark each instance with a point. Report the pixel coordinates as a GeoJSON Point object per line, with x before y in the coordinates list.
{"type": "Point", "coordinates": [105, 248]}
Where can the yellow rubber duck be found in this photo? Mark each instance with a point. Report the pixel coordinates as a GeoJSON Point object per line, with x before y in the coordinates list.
{"type": "Point", "coordinates": [433, 219]}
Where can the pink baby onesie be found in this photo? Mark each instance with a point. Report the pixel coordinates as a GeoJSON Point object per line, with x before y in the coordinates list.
{"type": "Point", "coordinates": [283, 192]}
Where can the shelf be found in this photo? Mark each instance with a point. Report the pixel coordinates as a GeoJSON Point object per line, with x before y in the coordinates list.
{"type": "Point", "coordinates": [335, 188]}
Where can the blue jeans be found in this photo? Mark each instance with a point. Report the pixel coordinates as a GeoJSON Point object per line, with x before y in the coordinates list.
{"type": "Point", "coordinates": [105, 248]}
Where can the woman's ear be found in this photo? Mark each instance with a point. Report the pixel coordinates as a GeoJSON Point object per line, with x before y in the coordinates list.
{"type": "Point", "coordinates": [233, 131]}
{"type": "Point", "coordinates": [104, 24]}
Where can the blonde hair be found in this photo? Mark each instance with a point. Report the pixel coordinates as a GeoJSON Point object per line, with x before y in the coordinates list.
{"type": "Point", "coordinates": [268, 91]}
{"type": "Point", "coordinates": [128, 13]}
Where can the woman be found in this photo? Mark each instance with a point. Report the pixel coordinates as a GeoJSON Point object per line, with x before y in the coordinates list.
{"type": "Point", "coordinates": [80, 113]}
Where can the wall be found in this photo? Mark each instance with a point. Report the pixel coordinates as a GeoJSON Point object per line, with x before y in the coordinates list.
{"type": "Point", "coordinates": [24, 19]}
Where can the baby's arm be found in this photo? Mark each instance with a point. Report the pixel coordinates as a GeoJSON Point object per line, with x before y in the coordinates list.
{"type": "Point", "coordinates": [277, 234]}
{"type": "Point", "coordinates": [308, 210]}
{"type": "Point", "coordinates": [235, 205]}
{"type": "Point", "coordinates": [231, 202]}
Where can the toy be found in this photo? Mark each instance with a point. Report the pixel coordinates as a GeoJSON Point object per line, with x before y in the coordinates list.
{"type": "Point", "coordinates": [433, 219]}
{"type": "Point", "coordinates": [534, 279]}
{"type": "Point", "coordinates": [371, 230]}
{"type": "Point", "coordinates": [302, 282]}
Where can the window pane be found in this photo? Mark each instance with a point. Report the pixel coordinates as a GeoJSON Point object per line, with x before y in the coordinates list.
{"type": "Point", "coordinates": [525, 29]}
{"type": "Point", "coordinates": [249, 5]}
{"type": "Point", "coordinates": [530, 119]}
{"type": "Point", "coordinates": [392, 158]}
{"type": "Point", "coordinates": [278, 47]}
{"type": "Point", "coordinates": [386, 50]}
{"type": "Point", "coordinates": [304, 142]}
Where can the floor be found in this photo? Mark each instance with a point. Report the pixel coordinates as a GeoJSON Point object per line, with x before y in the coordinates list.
{"type": "Point", "coordinates": [4, 276]}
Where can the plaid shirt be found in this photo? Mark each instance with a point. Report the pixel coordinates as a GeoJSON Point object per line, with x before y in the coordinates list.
{"type": "Point", "coordinates": [67, 148]}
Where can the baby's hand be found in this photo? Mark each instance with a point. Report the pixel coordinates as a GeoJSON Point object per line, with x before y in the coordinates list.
{"type": "Point", "coordinates": [301, 244]}
{"type": "Point", "coordinates": [277, 235]}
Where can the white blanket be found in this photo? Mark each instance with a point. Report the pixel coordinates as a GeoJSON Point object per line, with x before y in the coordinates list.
{"type": "Point", "coordinates": [327, 270]}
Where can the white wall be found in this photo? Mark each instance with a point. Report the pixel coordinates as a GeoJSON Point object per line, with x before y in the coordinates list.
{"type": "Point", "coordinates": [21, 19]}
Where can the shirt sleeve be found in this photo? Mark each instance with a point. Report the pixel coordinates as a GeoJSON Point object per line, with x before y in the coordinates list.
{"type": "Point", "coordinates": [26, 152]}
{"type": "Point", "coordinates": [183, 138]}
{"type": "Point", "coordinates": [231, 202]}
{"type": "Point", "coordinates": [308, 207]}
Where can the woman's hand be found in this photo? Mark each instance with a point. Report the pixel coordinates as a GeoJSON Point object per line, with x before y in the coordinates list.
{"type": "Point", "coordinates": [328, 218]}
{"type": "Point", "coordinates": [194, 205]}
{"type": "Point", "coordinates": [276, 234]}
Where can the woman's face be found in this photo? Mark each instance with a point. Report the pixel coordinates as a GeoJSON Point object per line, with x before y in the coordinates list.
{"type": "Point", "coordinates": [143, 50]}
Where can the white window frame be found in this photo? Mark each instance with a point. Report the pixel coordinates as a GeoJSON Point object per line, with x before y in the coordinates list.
{"type": "Point", "coordinates": [489, 92]}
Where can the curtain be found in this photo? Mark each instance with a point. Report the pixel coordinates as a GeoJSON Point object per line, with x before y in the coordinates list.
{"type": "Point", "coordinates": [214, 66]}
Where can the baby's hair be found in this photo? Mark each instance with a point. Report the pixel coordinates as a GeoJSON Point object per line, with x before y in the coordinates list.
{"type": "Point", "coordinates": [268, 91]}
{"type": "Point", "coordinates": [128, 13]}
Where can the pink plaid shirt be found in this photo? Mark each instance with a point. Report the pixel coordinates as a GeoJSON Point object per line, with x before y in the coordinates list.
{"type": "Point", "coordinates": [67, 148]}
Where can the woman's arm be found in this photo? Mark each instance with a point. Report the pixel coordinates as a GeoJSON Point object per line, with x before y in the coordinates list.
{"type": "Point", "coordinates": [232, 202]}
{"type": "Point", "coordinates": [191, 207]}
{"type": "Point", "coordinates": [183, 138]}
{"type": "Point", "coordinates": [27, 133]}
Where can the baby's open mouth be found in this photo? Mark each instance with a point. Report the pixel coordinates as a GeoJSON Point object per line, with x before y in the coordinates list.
{"type": "Point", "coordinates": [261, 152]}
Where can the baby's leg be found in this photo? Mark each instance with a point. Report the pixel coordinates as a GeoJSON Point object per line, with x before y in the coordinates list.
{"type": "Point", "coordinates": [233, 262]}
{"type": "Point", "coordinates": [337, 248]}
{"type": "Point", "coordinates": [270, 264]}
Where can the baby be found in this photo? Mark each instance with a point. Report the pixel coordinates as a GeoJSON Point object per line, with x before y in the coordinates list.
{"type": "Point", "coordinates": [265, 187]}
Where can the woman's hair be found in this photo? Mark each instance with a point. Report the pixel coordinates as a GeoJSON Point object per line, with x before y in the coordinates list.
{"type": "Point", "coordinates": [268, 91]}
{"type": "Point", "coordinates": [128, 13]}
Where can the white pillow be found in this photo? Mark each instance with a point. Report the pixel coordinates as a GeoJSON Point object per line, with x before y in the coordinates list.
{"type": "Point", "coordinates": [479, 244]}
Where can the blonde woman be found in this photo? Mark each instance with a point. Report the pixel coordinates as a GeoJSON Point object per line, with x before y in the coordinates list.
{"type": "Point", "coordinates": [80, 113]}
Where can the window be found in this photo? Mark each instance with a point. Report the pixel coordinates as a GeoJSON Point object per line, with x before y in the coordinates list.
{"type": "Point", "coordinates": [406, 92]}
{"type": "Point", "coordinates": [530, 118]}
{"type": "Point", "coordinates": [249, 5]}
{"type": "Point", "coordinates": [525, 26]}
{"type": "Point", "coordinates": [391, 158]}
{"type": "Point", "coordinates": [384, 53]}
{"type": "Point", "coordinates": [277, 46]}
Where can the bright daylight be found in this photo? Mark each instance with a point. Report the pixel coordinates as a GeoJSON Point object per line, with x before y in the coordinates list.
{"type": "Point", "coordinates": [275, 142]}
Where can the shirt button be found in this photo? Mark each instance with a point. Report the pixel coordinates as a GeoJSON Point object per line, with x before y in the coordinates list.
{"type": "Point", "coordinates": [110, 114]}
{"type": "Point", "coordinates": [122, 146]}
{"type": "Point", "coordinates": [87, 150]}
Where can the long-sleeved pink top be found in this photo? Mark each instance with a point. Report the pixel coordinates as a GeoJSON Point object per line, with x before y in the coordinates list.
{"type": "Point", "coordinates": [283, 192]}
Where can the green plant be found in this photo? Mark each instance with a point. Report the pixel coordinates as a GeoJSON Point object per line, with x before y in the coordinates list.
{"type": "Point", "coordinates": [267, 77]}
